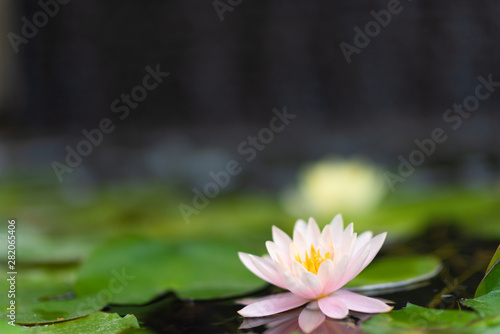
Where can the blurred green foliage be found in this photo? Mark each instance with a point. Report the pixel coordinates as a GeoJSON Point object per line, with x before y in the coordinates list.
{"type": "Point", "coordinates": [52, 227]}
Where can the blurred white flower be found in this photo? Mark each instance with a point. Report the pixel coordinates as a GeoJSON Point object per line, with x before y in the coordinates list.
{"type": "Point", "coordinates": [336, 185]}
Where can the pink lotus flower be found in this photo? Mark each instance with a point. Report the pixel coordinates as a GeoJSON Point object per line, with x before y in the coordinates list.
{"type": "Point", "coordinates": [314, 266]}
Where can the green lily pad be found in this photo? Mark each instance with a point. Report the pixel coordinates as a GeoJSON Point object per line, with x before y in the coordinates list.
{"type": "Point", "coordinates": [136, 270]}
{"type": "Point", "coordinates": [393, 272]}
{"type": "Point", "coordinates": [416, 319]}
{"type": "Point", "coordinates": [486, 305]}
{"type": "Point", "coordinates": [491, 280]}
{"type": "Point", "coordinates": [45, 295]}
{"type": "Point", "coordinates": [99, 322]}
{"type": "Point", "coordinates": [5, 328]}
{"type": "Point", "coordinates": [490, 325]}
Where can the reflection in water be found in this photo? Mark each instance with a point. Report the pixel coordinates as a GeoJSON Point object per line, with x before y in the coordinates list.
{"type": "Point", "coordinates": [311, 321]}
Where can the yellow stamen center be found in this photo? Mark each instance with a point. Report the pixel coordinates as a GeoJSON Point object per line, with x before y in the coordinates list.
{"type": "Point", "coordinates": [313, 260]}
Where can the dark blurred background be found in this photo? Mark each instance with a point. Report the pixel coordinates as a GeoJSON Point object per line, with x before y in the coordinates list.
{"type": "Point", "coordinates": [227, 76]}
